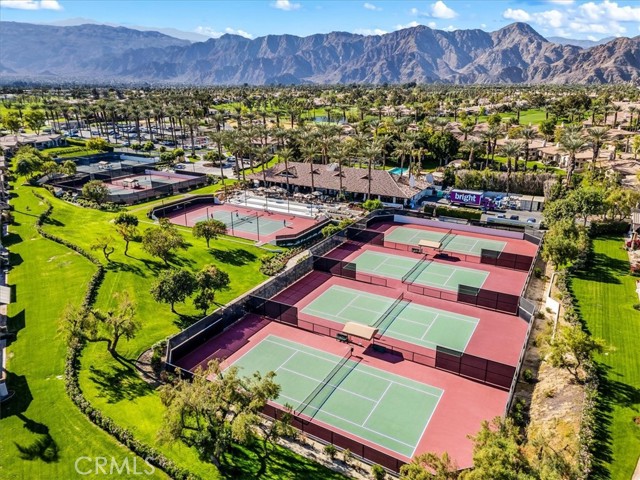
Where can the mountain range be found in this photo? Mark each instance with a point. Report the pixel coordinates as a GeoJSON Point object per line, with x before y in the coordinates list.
{"type": "Point", "coordinates": [105, 54]}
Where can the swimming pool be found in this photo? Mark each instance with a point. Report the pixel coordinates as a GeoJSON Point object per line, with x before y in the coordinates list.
{"type": "Point", "coordinates": [398, 170]}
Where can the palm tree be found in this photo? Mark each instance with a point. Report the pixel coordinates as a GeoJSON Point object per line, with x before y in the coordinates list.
{"type": "Point", "coordinates": [596, 137]}
{"type": "Point", "coordinates": [472, 146]}
{"type": "Point", "coordinates": [616, 109]}
{"type": "Point", "coordinates": [632, 110]}
{"type": "Point", "coordinates": [527, 134]}
{"type": "Point", "coordinates": [511, 150]}
{"type": "Point", "coordinates": [219, 138]}
{"type": "Point", "coordinates": [285, 155]}
{"type": "Point", "coordinates": [370, 152]}
{"type": "Point", "coordinates": [402, 148]}
{"type": "Point", "coordinates": [491, 137]}
{"type": "Point", "coordinates": [571, 143]}
{"type": "Point", "coordinates": [309, 150]}
{"type": "Point", "coordinates": [466, 130]}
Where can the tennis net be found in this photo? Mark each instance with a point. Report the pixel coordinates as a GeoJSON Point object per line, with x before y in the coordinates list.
{"type": "Point", "coordinates": [416, 270]}
{"type": "Point", "coordinates": [243, 220]}
{"type": "Point", "coordinates": [390, 314]}
{"type": "Point", "coordinates": [446, 240]}
{"type": "Point", "coordinates": [317, 398]}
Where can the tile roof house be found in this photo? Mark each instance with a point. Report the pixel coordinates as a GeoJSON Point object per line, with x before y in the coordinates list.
{"type": "Point", "coordinates": [10, 143]}
{"type": "Point", "coordinates": [355, 181]}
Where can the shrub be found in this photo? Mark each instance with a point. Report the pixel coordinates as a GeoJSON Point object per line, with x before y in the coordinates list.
{"type": "Point", "coordinates": [608, 227]}
{"type": "Point", "coordinates": [371, 205]}
{"type": "Point", "coordinates": [636, 306]}
{"type": "Point", "coordinates": [468, 213]}
{"type": "Point", "coordinates": [528, 375]}
{"type": "Point", "coordinates": [537, 272]}
{"type": "Point", "coordinates": [378, 473]}
{"type": "Point", "coordinates": [330, 450]}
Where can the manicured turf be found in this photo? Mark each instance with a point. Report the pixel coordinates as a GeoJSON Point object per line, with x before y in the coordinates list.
{"type": "Point", "coordinates": [383, 408]}
{"type": "Point", "coordinates": [428, 273]}
{"type": "Point", "coordinates": [417, 324]}
{"type": "Point", "coordinates": [450, 242]}
{"type": "Point", "coordinates": [47, 276]}
{"type": "Point", "coordinates": [606, 295]}
{"type": "Point", "coordinates": [111, 385]}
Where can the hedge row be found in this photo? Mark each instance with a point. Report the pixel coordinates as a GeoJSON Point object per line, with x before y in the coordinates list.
{"type": "Point", "coordinates": [72, 366]}
{"type": "Point", "coordinates": [588, 424]}
{"type": "Point", "coordinates": [468, 213]}
{"type": "Point", "coordinates": [608, 228]}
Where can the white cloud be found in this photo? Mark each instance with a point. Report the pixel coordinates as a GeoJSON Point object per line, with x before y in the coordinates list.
{"type": "Point", "coordinates": [242, 33]}
{"type": "Point", "coordinates": [408, 25]}
{"type": "Point", "coordinates": [370, 31]}
{"type": "Point", "coordinates": [440, 10]}
{"type": "Point", "coordinates": [483, 25]}
{"type": "Point", "coordinates": [517, 14]}
{"type": "Point", "coordinates": [561, 2]}
{"type": "Point", "coordinates": [210, 32]}
{"type": "Point", "coordinates": [31, 4]}
{"type": "Point", "coordinates": [605, 18]}
{"type": "Point", "coordinates": [371, 6]}
{"type": "Point", "coordinates": [285, 5]}
{"type": "Point", "coordinates": [450, 28]}
{"type": "Point", "coordinates": [432, 25]}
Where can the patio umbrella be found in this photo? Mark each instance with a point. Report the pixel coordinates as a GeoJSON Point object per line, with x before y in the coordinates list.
{"type": "Point", "coordinates": [317, 193]}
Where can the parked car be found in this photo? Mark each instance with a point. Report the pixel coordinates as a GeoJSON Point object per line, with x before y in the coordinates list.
{"type": "Point", "coordinates": [514, 217]}
{"type": "Point", "coordinates": [531, 220]}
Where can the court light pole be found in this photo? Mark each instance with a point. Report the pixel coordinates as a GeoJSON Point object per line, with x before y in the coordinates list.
{"type": "Point", "coordinates": [232, 233]}
{"type": "Point", "coordinates": [258, 226]}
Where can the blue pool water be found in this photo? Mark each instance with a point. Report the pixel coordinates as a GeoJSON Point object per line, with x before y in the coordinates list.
{"type": "Point", "coordinates": [398, 170]}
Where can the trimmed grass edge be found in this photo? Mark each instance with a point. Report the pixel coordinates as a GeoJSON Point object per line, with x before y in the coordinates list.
{"type": "Point", "coordinates": [72, 367]}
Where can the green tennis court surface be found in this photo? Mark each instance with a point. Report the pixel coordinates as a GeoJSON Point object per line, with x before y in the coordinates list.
{"type": "Point", "coordinates": [417, 324]}
{"type": "Point", "coordinates": [456, 243]}
{"type": "Point", "coordinates": [428, 273]}
{"type": "Point", "coordinates": [243, 223]}
{"type": "Point", "coordinates": [380, 407]}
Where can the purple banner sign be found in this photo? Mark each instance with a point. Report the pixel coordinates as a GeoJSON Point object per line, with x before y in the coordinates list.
{"type": "Point", "coordinates": [467, 198]}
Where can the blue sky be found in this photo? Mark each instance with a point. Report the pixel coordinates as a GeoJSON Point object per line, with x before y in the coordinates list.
{"type": "Point", "coordinates": [580, 19]}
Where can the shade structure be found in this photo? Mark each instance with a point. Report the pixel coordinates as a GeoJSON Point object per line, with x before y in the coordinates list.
{"type": "Point", "coordinates": [359, 330]}
{"type": "Point", "coordinates": [429, 244]}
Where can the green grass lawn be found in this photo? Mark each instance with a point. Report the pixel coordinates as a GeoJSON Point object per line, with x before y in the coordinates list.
{"type": "Point", "coordinates": [606, 295]}
{"type": "Point", "coordinates": [41, 417]}
{"type": "Point", "coordinates": [111, 384]}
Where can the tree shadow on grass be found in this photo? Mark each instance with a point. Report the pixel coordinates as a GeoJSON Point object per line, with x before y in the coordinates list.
{"type": "Point", "coordinates": [242, 463]}
{"type": "Point", "coordinates": [53, 221]}
{"type": "Point", "coordinates": [44, 447]}
{"type": "Point", "coordinates": [19, 403]}
{"type": "Point", "coordinates": [184, 321]}
{"type": "Point", "coordinates": [604, 269]}
{"type": "Point", "coordinates": [118, 382]}
{"type": "Point", "coordinates": [15, 323]}
{"type": "Point", "coordinates": [11, 239]}
{"type": "Point", "coordinates": [116, 266]}
{"type": "Point", "coordinates": [237, 257]}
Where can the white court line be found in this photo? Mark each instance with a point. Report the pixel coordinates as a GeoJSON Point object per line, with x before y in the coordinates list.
{"type": "Point", "coordinates": [427, 424]}
{"type": "Point", "coordinates": [429, 328]}
{"type": "Point", "coordinates": [267, 339]}
{"type": "Point", "coordinates": [283, 363]}
{"type": "Point", "coordinates": [470, 336]}
{"type": "Point", "coordinates": [376, 405]}
{"type": "Point", "coordinates": [365, 428]}
{"type": "Point", "coordinates": [353, 299]}
{"type": "Point", "coordinates": [329, 384]}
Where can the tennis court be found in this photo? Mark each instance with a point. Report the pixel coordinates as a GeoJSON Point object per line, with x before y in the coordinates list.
{"type": "Point", "coordinates": [401, 319]}
{"type": "Point", "coordinates": [375, 405]}
{"type": "Point", "coordinates": [419, 271]}
{"type": "Point", "coordinates": [451, 242]}
{"type": "Point", "coordinates": [254, 224]}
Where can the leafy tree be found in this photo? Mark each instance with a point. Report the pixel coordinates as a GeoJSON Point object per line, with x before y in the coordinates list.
{"type": "Point", "coordinates": [173, 286]}
{"type": "Point", "coordinates": [127, 226]}
{"type": "Point", "coordinates": [548, 129]}
{"type": "Point", "coordinates": [213, 410]}
{"type": "Point", "coordinates": [209, 280]}
{"type": "Point", "coordinates": [27, 163]}
{"type": "Point", "coordinates": [148, 146]}
{"type": "Point", "coordinates": [12, 121]}
{"type": "Point", "coordinates": [49, 167]}
{"type": "Point", "coordinates": [162, 241]}
{"type": "Point", "coordinates": [572, 348]}
{"type": "Point", "coordinates": [209, 229]}
{"type": "Point", "coordinates": [35, 120]}
{"type": "Point", "coordinates": [105, 244]}
{"type": "Point", "coordinates": [98, 143]}
{"type": "Point", "coordinates": [588, 201]}
{"type": "Point", "coordinates": [119, 321]}
{"type": "Point", "coordinates": [443, 146]}
{"type": "Point", "coordinates": [561, 209]}
{"type": "Point", "coordinates": [96, 191]}
{"type": "Point", "coordinates": [430, 466]}
{"type": "Point", "coordinates": [378, 473]}
{"type": "Point", "coordinates": [563, 243]}
{"type": "Point", "coordinates": [371, 205]}
{"type": "Point", "coordinates": [76, 324]}
{"type": "Point", "coordinates": [498, 453]}
{"type": "Point", "coordinates": [69, 167]}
